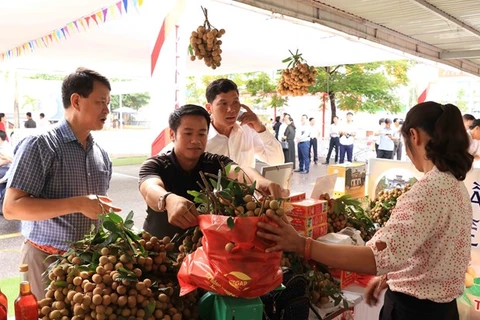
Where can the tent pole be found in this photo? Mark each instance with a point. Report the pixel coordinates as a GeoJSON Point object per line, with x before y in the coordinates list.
{"type": "Point", "coordinates": [121, 113]}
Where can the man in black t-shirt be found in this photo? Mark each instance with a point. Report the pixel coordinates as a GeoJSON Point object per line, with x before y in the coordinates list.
{"type": "Point", "coordinates": [166, 178]}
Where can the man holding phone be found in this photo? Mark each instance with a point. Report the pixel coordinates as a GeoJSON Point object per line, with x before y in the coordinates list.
{"type": "Point", "coordinates": [386, 143]}
{"type": "Point", "coordinates": [236, 131]}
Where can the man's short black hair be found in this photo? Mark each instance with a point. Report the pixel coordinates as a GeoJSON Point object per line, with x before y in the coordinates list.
{"type": "Point", "coordinates": [42, 115]}
{"type": "Point", "coordinates": [219, 86]}
{"type": "Point", "coordinates": [349, 113]}
{"type": "Point", "coordinates": [187, 110]}
{"type": "Point", "coordinates": [3, 135]}
{"type": "Point", "coordinates": [468, 117]}
{"type": "Point", "coordinates": [311, 119]}
{"type": "Point", "coordinates": [382, 120]}
{"type": "Point", "coordinates": [81, 82]}
{"type": "Point", "coordinates": [475, 123]}
{"type": "Point", "coordinates": [29, 114]}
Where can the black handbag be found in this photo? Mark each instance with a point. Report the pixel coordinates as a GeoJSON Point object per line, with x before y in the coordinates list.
{"type": "Point", "coordinates": [292, 303]}
{"type": "Point", "coordinates": [284, 144]}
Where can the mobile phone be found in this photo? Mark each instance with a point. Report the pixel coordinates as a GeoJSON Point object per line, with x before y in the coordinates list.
{"type": "Point", "coordinates": [240, 114]}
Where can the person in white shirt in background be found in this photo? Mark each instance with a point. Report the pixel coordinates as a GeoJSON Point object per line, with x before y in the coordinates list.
{"type": "Point", "coordinates": [474, 137]}
{"type": "Point", "coordinates": [386, 144]}
{"type": "Point", "coordinates": [314, 135]}
{"type": "Point", "coordinates": [303, 145]}
{"type": "Point", "coordinates": [381, 125]}
{"type": "Point", "coordinates": [347, 137]}
{"type": "Point", "coordinates": [242, 142]}
{"type": "Point", "coordinates": [43, 123]}
{"type": "Point", "coordinates": [397, 151]}
{"type": "Point", "coordinates": [334, 134]}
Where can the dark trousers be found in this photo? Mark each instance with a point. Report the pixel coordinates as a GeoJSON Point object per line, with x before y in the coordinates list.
{"type": "Point", "coordinates": [376, 149]}
{"type": "Point", "coordinates": [314, 146]}
{"type": "Point", "coordinates": [384, 154]}
{"type": "Point", "coordinates": [348, 149]}
{"type": "Point", "coordinates": [399, 306]}
{"type": "Point", "coordinates": [334, 143]}
{"type": "Point", "coordinates": [303, 158]}
{"type": "Point", "coordinates": [397, 150]}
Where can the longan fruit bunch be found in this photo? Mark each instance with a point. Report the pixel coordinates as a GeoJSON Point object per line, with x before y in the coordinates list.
{"type": "Point", "coordinates": [205, 44]}
{"type": "Point", "coordinates": [295, 81]}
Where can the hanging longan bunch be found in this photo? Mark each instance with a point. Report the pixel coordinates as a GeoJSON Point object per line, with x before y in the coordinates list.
{"type": "Point", "coordinates": [297, 77]}
{"type": "Point", "coordinates": [205, 44]}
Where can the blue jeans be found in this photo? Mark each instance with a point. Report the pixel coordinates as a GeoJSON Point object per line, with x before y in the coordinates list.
{"type": "Point", "coordinates": [304, 156]}
{"type": "Point", "coordinates": [346, 149]}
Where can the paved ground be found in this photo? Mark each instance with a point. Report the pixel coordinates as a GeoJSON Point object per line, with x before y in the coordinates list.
{"type": "Point", "coordinates": [124, 192]}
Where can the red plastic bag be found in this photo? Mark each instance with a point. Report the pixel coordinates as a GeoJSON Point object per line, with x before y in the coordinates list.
{"type": "Point", "coordinates": [247, 271]}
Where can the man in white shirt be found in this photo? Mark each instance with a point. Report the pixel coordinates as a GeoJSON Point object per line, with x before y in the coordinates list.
{"type": "Point", "coordinates": [303, 145]}
{"type": "Point", "coordinates": [397, 135]}
{"type": "Point", "coordinates": [474, 137]}
{"type": "Point", "coordinates": [43, 123]}
{"type": "Point", "coordinates": [314, 133]}
{"type": "Point", "coordinates": [347, 137]}
{"type": "Point", "coordinates": [242, 142]}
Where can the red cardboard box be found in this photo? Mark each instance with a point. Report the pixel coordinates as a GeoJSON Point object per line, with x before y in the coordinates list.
{"type": "Point", "coordinates": [308, 222]}
{"type": "Point", "coordinates": [297, 196]}
{"type": "Point", "coordinates": [308, 207]}
{"type": "Point", "coordinates": [345, 277]}
{"type": "Point", "coordinates": [313, 232]}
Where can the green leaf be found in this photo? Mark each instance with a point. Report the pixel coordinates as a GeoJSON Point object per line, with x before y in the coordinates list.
{"type": "Point", "coordinates": [230, 222]}
{"type": "Point", "coordinates": [213, 183]}
{"type": "Point", "coordinates": [61, 284]}
{"type": "Point", "coordinates": [237, 169]}
{"type": "Point", "coordinates": [111, 226]}
{"type": "Point", "coordinates": [129, 224]}
{"type": "Point", "coordinates": [126, 272]}
{"type": "Point", "coordinates": [228, 167]}
{"type": "Point", "coordinates": [190, 51]}
{"type": "Point", "coordinates": [225, 195]}
{"type": "Point", "coordinates": [115, 217]}
{"type": "Point", "coordinates": [287, 60]}
{"type": "Point", "coordinates": [150, 309]}
{"type": "Point", "coordinates": [194, 193]}
{"type": "Point", "coordinates": [466, 299]}
{"type": "Point", "coordinates": [474, 290]}
{"type": "Point", "coordinates": [110, 239]}
{"type": "Point", "coordinates": [251, 189]}
{"type": "Point", "coordinates": [129, 216]}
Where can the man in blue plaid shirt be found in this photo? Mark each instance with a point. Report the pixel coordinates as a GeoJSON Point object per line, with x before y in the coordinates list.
{"type": "Point", "coordinates": [59, 178]}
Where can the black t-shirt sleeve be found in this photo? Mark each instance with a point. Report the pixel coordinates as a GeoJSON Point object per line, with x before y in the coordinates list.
{"type": "Point", "coordinates": [217, 158]}
{"type": "Point", "coordinates": [152, 168]}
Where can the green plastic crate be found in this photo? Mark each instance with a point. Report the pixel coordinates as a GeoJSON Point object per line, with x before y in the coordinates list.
{"type": "Point", "coordinates": [215, 307]}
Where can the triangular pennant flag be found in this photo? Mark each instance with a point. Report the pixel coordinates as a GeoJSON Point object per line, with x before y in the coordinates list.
{"type": "Point", "coordinates": [135, 4]}
{"type": "Point", "coordinates": [37, 44]}
{"type": "Point", "coordinates": [51, 37]}
{"type": "Point", "coordinates": [76, 25]}
{"type": "Point", "coordinates": [88, 21]}
{"type": "Point", "coordinates": [30, 44]}
{"type": "Point", "coordinates": [56, 36]}
{"type": "Point", "coordinates": [99, 17]}
{"type": "Point", "coordinates": [82, 22]}
{"type": "Point", "coordinates": [70, 27]}
{"type": "Point", "coordinates": [64, 32]}
{"type": "Point", "coordinates": [119, 6]}
{"type": "Point", "coordinates": [25, 47]}
{"type": "Point", "coordinates": [45, 41]}
{"type": "Point", "coordinates": [140, 2]}
{"type": "Point", "coordinates": [94, 17]}
{"type": "Point", "coordinates": [125, 5]}
{"type": "Point", "coordinates": [104, 11]}
{"type": "Point", "coordinates": [111, 10]}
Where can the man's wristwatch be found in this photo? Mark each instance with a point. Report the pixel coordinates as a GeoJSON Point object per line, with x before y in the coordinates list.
{"type": "Point", "coordinates": [162, 202]}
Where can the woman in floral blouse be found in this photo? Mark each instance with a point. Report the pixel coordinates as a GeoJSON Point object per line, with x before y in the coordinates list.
{"type": "Point", "coordinates": [422, 253]}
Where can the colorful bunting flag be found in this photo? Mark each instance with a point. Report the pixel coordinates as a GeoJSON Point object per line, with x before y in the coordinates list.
{"type": "Point", "coordinates": [101, 16]}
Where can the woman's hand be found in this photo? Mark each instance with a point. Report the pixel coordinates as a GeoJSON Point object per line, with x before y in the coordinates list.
{"type": "Point", "coordinates": [374, 288]}
{"type": "Point", "coordinates": [274, 190]}
{"type": "Point", "coordinates": [284, 235]}
{"type": "Point", "coordinates": [181, 212]}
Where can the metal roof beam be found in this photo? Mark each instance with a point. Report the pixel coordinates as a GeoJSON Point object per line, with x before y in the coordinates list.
{"type": "Point", "coordinates": [426, 5]}
{"type": "Point", "coordinates": [466, 54]}
{"type": "Point", "coordinates": [349, 24]}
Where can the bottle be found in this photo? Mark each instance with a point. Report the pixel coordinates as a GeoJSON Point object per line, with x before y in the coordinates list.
{"type": "Point", "coordinates": [3, 306]}
{"type": "Point", "coordinates": [26, 305]}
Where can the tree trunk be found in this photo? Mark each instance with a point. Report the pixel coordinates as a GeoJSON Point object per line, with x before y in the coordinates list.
{"type": "Point", "coordinates": [333, 106]}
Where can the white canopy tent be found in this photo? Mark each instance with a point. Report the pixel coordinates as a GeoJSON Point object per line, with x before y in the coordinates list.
{"type": "Point", "coordinates": [121, 47]}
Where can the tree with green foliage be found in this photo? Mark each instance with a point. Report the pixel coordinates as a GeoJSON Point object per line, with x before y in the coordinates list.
{"type": "Point", "coordinates": [264, 90]}
{"type": "Point", "coordinates": [367, 87]}
{"type": "Point", "coordinates": [461, 102]}
{"type": "Point", "coordinates": [134, 100]}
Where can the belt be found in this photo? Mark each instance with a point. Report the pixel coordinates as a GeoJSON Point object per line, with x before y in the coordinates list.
{"type": "Point", "coordinates": [46, 248]}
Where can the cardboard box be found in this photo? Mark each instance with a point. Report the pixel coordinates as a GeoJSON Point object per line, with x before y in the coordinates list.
{"type": "Point", "coordinates": [313, 232]}
{"type": "Point", "coordinates": [308, 222]}
{"type": "Point", "coordinates": [350, 180]}
{"type": "Point", "coordinates": [308, 207]}
{"type": "Point", "coordinates": [345, 277]}
{"type": "Point", "coordinates": [297, 196]}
